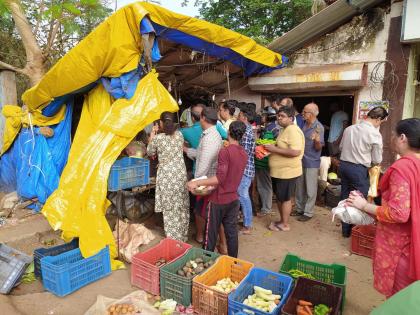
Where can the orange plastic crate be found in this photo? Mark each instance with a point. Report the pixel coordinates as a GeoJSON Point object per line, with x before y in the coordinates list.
{"type": "Point", "coordinates": [144, 273]}
{"type": "Point", "coordinates": [363, 240]}
{"type": "Point", "coordinates": [207, 301]}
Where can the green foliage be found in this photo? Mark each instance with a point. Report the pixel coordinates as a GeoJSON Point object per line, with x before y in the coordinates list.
{"type": "Point", "coordinates": [262, 20]}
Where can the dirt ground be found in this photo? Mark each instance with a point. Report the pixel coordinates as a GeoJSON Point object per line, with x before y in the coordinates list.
{"type": "Point", "coordinates": [318, 239]}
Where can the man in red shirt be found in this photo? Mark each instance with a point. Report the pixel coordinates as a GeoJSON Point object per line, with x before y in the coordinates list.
{"type": "Point", "coordinates": [224, 200]}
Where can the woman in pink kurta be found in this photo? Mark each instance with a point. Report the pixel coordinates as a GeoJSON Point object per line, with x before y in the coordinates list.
{"type": "Point", "coordinates": [396, 260]}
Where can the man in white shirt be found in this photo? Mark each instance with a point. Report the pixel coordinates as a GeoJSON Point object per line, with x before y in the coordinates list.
{"type": "Point", "coordinates": [361, 148]}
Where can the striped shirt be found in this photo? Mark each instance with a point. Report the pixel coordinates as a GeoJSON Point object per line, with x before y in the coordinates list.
{"type": "Point", "coordinates": [206, 153]}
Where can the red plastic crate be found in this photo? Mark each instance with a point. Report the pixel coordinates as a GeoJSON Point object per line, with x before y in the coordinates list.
{"type": "Point", "coordinates": [363, 240]}
{"type": "Point", "coordinates": [144, 273]}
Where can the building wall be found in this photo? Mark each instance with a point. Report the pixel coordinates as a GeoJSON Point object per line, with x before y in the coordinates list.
{"type": "Point", "coordinates": [412, 92]}
{"type": "Point", "coordinates": [362, 40]}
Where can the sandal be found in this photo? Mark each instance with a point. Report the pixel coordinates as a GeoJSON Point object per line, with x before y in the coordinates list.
{"type": "Point", "coordinates": [282, 228]}
{"type": "Point", "coordinates": [273, 227]}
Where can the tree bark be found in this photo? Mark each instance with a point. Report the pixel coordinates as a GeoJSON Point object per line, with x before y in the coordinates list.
{"type": "Point", "coordinates": [34, 67]}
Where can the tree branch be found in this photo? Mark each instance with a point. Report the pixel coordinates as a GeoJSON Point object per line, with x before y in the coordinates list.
{"type": "Point", "coordinates": [51, 38]}
{"type": "Point", "coordinates": [38, 21]}
{"type": "Point", "coordinates": [6, 66]}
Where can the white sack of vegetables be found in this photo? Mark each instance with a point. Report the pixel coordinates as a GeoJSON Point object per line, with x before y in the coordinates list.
{"type": "Point", "coordinates": [351, 215]}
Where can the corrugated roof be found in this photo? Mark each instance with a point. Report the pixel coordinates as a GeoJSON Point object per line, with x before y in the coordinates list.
{"type": "Point", "coordinates": [325, 21]}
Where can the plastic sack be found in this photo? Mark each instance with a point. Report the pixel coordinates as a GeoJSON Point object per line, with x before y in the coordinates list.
{"type": "Point", "coordinates": [351, 215]}
{"type": "Point", "coordinates": [106, 127]}
{"type": "Point", "coordinates": [138, 299]}
{"type": "Point", "coordinates": [33, 164]}
{"type": "Point", "coordinates": [130, 237]}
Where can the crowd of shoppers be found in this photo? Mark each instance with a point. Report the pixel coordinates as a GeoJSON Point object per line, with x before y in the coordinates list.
{"type": "Point", "coordinates": [290, 172]}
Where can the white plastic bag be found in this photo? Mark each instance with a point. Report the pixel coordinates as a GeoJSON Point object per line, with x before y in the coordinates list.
{"type": "Point", "coordinates": [351, 215]}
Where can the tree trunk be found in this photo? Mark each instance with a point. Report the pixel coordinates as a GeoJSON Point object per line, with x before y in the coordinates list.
{"type": "Point", "coordinates": [35, 67]}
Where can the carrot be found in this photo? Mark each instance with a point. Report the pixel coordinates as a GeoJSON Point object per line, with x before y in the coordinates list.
{"type": "Point", "coordinates": [307, 309]}
{"type": "Point", "coordinates": [302, 312]}
{"type": "Point", "coordinates": [305, 303]}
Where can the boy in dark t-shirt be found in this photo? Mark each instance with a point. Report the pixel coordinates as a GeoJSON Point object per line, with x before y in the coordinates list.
{"type": "Point", "coordinates": [223, 201]}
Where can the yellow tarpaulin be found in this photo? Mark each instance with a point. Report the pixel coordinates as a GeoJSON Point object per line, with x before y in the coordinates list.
{"type": "Point", "coordinates": [114, 48]}
{"type": "Point", "coordinates": [106, 127]}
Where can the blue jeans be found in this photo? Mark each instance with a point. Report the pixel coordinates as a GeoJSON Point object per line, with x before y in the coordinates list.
{"type": "Point", "coordinates": [353, 177]}
{"type": "Point", "coordinates": [245, 200]}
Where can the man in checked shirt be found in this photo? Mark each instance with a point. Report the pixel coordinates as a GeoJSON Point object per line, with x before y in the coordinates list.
{"type": "Point", "coordinates": [206, 165]}
{"type": "Point", "coordinates": [248, 143]}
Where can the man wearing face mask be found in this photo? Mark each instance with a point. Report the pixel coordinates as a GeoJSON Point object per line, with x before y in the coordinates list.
{"type": "Point", "coordinates": [361, 148]}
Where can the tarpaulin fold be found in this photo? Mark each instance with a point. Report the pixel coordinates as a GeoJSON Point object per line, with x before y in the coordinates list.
{"type": "Point", "coordinates": [106, 127]}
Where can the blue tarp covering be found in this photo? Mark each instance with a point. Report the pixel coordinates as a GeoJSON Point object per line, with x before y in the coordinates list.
{"type": "Point", "coordinates": [33, 165]}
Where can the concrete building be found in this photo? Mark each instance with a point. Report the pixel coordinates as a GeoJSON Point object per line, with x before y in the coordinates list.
{"type": "Point", "coordinates": [350, 53]}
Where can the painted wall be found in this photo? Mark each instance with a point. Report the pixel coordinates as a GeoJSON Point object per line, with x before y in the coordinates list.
{"type": "Point", "coordinates": [362, 40]}
{"type": "Point", "coordinates": [412, 92]}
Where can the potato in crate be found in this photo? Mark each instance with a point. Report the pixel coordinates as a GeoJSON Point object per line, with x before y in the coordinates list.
{"type": "Point", "coordinates": [211, 289]}
{"type": "Point", "coordinates": [176, 278]}
{"type": "Point", "coordinates": [69, 271]}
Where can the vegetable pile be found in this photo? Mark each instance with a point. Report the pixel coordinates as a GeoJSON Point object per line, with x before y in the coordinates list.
{"type": "Point", "coordinates": [261, 152]}
{"type": "Point", "coordinates": [263, 299]}
{"type": "Point", "coordinates": [160, 262]}
{"type": "Point", "coordinates": [225, 285]}
{"type": "Point", "coordinates": [265, 141]}
{"type": "Point", "coordinates": [117, 309]}
{"type": "Point", "coordinates": [194, 267]}
{"type": "Point", "coordinates": [295, 273]}
{"type": "Point", "coordinates": [167, 307]}
{"type": "Point", "coordinates": [307, 308]}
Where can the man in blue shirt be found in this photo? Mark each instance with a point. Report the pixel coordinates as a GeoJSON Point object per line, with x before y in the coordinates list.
{"type": "Point", "coordinates": [307, 183]}
{"type": "Point", "coordinates": [192, 134]}
{"type": "Point", "coordinates": [339, 122]}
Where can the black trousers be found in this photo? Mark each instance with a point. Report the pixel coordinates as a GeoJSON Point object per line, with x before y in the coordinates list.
{"type": "Point", "coordinates": [353, 177]}
{"type": "Point", "coordinates": [226, 214]}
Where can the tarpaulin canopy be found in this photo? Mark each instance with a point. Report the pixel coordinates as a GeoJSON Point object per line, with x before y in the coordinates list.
{"type": "Point", "coordinates": [106, 65]}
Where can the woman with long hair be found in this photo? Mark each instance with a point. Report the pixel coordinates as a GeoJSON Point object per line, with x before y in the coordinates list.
{"type": "Point", "coordinates": [171, 193]}
{"type": "Point", "coordinates": [396, 260]}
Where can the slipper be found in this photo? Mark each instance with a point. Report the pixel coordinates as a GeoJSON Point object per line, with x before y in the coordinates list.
{"type": "Point", "coordinates": [273, 227]}
{"type": "Point", "coordinates": [199, 242]}
{"type": "Point", "coordinates": [245, 231]}
{"type": "Point", "coordinates": [294, 213]}
{"type": "Point", "coordinates": [282, 228]}
{"type": "Point", "coordinates": [263, 214]}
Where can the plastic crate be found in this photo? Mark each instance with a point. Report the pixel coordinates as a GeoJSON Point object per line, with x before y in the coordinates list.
{"type": "Point", "coordinates": [207, 301]}
{"type": "Point", "coordinates": [51, 251]}
{"type": "Point", "coordinates": [335, 274]}
{"type": "Point", "coordinates": [69, 271]}
{"type": "Point", "coordinates": [363, 240]}
{"type": "Point", "coordinates": [278, 283]}
{"type": "Point", "coordinates": [13, 264]}
{"type": "Point", "coordinates": [174, 286]}
{"type": "Point", "coordinates": [144, 273]}
{"type": "Point", "coordinates": [315, 292]}
{"type": "Point", "coordinates": [129, 172]}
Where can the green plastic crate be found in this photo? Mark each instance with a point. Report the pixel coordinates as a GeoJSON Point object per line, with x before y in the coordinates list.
{"type": "Point", "coordinates": [174, 286]}
{"type": "Point", "coordinates": [334, 274]}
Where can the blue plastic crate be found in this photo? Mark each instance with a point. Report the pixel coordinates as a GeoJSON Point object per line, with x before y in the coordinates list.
{"type": "Point", "coordinates": [278, 283]}
{"type": "Point", "coordinates": [69, 271]}
{"type": "Point", "coordinates": [51, 251]}
{"type": "Point", "coordinates": [129, 172]}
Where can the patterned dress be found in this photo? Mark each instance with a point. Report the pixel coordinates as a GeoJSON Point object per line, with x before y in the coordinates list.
{"type": "Point", "coordinates": [171, 190]}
